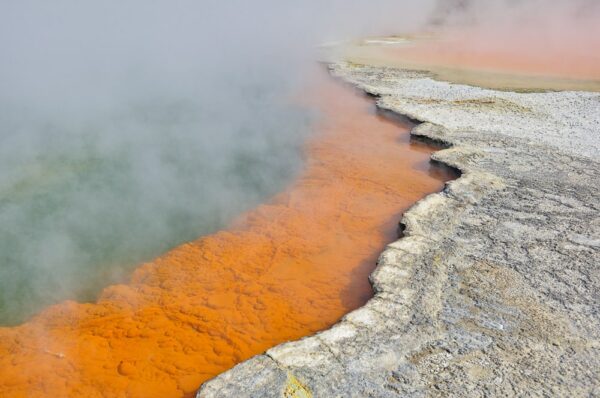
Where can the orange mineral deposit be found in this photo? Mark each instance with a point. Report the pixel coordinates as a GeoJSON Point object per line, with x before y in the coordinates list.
{"type": "Point", "coordinates": [284, 270]}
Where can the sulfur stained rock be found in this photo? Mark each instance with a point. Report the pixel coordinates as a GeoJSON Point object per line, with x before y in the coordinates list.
{"type": "Point", "coordinates": [295, 388]}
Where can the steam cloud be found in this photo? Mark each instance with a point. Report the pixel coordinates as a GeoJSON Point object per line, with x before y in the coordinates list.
{"type": "Point", "coordinates": [452, 12]}
{"type": "Point", "coordinates": [129, 127]}
{"type": "Point", "coordinates": [557, 31]}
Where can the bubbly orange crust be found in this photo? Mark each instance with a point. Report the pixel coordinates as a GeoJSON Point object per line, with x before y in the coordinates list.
{"type": "Point", "coordinates": [284, 270]}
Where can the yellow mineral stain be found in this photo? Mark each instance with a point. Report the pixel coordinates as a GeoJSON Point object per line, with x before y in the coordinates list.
{"type": "Point", "coordinates": [295, 389]}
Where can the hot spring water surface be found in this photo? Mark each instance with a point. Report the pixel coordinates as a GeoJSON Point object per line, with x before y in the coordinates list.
{"type": "Point", "coordinates": [289, 267]}
{"type": "Point", "coordinates": [84, 198]}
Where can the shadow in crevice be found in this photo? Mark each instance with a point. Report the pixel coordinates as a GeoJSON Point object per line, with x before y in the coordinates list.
{"type": "Point", "coordinates": [395, 229]}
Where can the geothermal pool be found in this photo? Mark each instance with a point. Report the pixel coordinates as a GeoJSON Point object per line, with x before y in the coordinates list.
{"type": "Point", "coordinates": [517, 62]}
{"type": "Point", "coordinates": [86, 194]}
{"type": "Point", "coordinates": [288, 268]}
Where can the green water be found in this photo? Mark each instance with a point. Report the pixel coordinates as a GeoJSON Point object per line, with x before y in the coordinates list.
{"type": "Point", "coordinates": [82, 203]}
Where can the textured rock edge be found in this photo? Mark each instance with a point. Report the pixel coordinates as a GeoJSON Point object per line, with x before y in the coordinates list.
{"type": "Point", "coordinates": [355, 357]}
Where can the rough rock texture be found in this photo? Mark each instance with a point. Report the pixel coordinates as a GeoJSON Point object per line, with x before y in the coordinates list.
{"type": "Point", "coordinates": [495, 288]}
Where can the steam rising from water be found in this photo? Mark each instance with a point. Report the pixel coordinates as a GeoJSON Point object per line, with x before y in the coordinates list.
{"type": "Point", "coordinates": [562, 35]}
{"type": "Point", "coordinates": [129, 127]}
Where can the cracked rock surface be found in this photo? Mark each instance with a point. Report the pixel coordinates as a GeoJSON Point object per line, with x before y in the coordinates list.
{"type": "Point", "coordinates": [495, 288]}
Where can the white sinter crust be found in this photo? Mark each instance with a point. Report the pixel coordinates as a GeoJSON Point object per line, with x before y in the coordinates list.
{"type": "Point", "coordinates": [495, 288]}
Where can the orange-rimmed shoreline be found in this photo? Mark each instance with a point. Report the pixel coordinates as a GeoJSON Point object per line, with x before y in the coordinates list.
{"type": "Point", "coordinates": [288, 268]}
{"type": "Point", "coordinates": [500, 61]}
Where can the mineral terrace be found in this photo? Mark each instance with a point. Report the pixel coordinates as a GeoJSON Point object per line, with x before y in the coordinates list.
{"type": "Point", "coordinates": [494, 290]}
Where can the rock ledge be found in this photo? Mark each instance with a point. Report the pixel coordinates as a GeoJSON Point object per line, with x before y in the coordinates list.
{"type": "Point", "coordinates": [495, 288]}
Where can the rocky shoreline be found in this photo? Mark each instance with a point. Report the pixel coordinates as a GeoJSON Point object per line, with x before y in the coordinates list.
{"type": "Point", "coordinates": [494, 290]}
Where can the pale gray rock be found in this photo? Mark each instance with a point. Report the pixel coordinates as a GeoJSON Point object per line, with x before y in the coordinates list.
{"type": "Point", "coordinates": [495, 289]}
